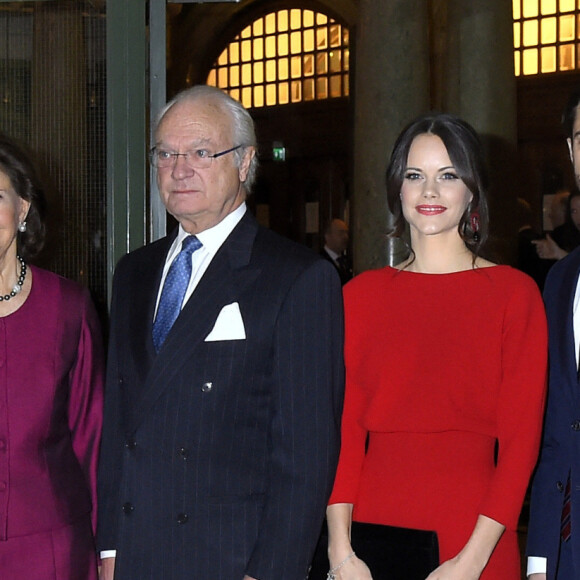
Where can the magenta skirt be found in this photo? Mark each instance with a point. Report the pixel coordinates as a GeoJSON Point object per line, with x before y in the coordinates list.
{"type": "Point", "coordinates": [66, 553]}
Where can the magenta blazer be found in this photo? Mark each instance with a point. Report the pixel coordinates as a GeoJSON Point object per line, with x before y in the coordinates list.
{"type": "Point", "coordinates": [51, 391]}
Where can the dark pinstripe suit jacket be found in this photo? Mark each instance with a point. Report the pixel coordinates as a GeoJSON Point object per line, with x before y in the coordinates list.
{"type": "Point", "coordinates": [218, 457]}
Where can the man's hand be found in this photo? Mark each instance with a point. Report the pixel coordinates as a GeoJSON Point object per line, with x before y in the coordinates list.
{"type": "Point", "coordinates": [548, 249]}
{"type": "Point", "coordinates": [107, 571]}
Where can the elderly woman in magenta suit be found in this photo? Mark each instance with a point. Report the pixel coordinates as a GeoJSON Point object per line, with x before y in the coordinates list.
{"type": "Point", "coordinates": [51, 376]}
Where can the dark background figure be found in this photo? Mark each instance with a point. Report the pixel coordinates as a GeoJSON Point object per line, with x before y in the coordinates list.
{"type": "Point", "coordinates": [528, 260]}
{"type": "Point", "coordinates": [221, 430]}
{"type": "Point", "coordinates": [335, 248]}
{"type": "Point", "coordinates": [51, 379]}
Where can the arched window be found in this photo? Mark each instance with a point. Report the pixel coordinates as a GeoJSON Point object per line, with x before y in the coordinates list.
{"type": "Point", "coordinates": [546, 34]}
{"type": "Point", "coordinates": [287, 56]}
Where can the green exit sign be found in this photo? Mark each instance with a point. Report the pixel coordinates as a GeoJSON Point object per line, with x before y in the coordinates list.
{"type": "Point", "coordinates": [278, 151]}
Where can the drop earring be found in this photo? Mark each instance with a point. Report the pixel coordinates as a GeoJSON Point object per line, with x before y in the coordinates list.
{"type": "Point", "coordinates": [474, 221]}
{"type": "Point", "coordinates": [22, 227]}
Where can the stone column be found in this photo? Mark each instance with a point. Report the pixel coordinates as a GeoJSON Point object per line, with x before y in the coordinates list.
{"type": "Point", "coordinates": [391, 87]}
{"type": "Point", "coordinates": [481, 88]}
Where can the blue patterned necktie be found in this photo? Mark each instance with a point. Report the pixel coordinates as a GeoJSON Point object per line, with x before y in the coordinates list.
{"type": "Point", "coordinates": [176, 283]}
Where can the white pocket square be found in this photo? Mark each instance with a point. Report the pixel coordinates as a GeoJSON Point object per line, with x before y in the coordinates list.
{"type": "Point", "coordinates": [229, 325]}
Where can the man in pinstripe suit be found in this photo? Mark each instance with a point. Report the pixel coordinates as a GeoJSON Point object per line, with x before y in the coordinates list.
{"type": "Point", "coordinates": [221, 437]}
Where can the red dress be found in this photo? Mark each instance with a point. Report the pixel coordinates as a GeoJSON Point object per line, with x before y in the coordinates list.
{"type": "Point", "coordinates": [438, 368]}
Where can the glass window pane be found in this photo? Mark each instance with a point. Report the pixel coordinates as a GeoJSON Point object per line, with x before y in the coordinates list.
{"type": "Point", "coordinates": [321, 38]}
{"type": "Point", "coordinates": [235, 94]}
{"type": "Point", "coordinates": [283, 20]}
{"type": "Point", "coordinates": [258, 72]}
{"type": "Point", "coordinates": [335, 63]}
{"type": "Point", "coordinates": [345, 37]}
{"type": "Point", "coordinates": [270, 46]}
{"type": "Point", "coordinates": [530, 8]}
{"type": "Point", "coordinates": [308, 65]}
{"type": "Point", "coordinates": [258, 48]}
{"type": "Point", "coordinates": [296, 42]}
{"type": "Point", "coordinates": [247, 32]}
{"type": "Point", "coordinates": [284, 93]}
{"type": "Point", "coordinates": [345, 86]}
{"type": "Point", "coordinates": [307, 18]}
{"type": "Point", "coordinates": [516, 9]}
{"type": "Point", "coordinates": [322, 88]}
{"type": "Point", "coordinates": [296, 67]}
{"type": "Point", "coordinates": [517, 40]}
{"type": "Point", "coordinates": [567, 27]}
{"type": "Point", "coordinates": [321, 64]}
{"type": "Point", "coordinates": [246, 74]}
{"type": "Point", "coordinates": [309, 40]}
{"type": "Point", "coordinates": [222, 78]}
{"type": "Point", "coordinates": [271, 23]}
{"type": "Point", "coordinates": [334, 35]}
{"type": "Point", "coordinates": [259, 96]}
{"type": "Point", "coordinates": [567, 57]}
{"type": "Point", "coordinates": [270, 71]}
{"type": "Point", "coordinates": [259, 27]}
{"type": "Point", "coordinates": [246, 50]}
{"type": "Point", "coordinates": [247, 97]}
{"type": "Point", "coordinates": [296, 91]}
{"type": "Point", "coordinates": [346, 59]}
{"type": "Point", "coordinates": [531, 33]}
{"type": "Point", "coordinates": [283, 48]}
{"type": "Point", "coordinates": [567, 5]}
{"type": "Point", "coordinates": [284, 69]}
{"type": "Point", "coordinates": [309, 90]}
{"type": "Point", "coordinates": [271, 97]}
{"type": "Point", "coordinates": [211, 78]}
{"type": "Point", "coordinates": [548, 59]}
{"type": "Point", "coordinates": [321, 18]}
{"type": "Point", "coordinates": [295, 19]}
{"type": "Point", "coordinates": [223, 58]}
{"type": "Point", "coordinates": [234, 76]}
{"type": "Point", "coordinates": [530, 61]}
{"type": "Point", "coordinates": [517, 63]}
{"type": "Point", "coordinates": [549, 7]}
{"type": "Point", "coordinates": [335, 86]}
{"type": "Point", "coordinates": [234, 52]}
{"type": "Point", "coordinates": [548, 26]}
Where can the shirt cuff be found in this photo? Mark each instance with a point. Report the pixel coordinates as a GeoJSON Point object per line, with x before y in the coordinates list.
{"type": "Point", "coordinates": [108, 554]}
{"type": "Point", "coordinates": [537, 565]}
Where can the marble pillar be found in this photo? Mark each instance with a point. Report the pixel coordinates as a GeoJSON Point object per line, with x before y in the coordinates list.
{"type": "Point", "coordinates": [391, 88]}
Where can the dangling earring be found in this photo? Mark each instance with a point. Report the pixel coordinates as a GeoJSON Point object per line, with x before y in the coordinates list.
{"type": "Point", "coordinates": [22, 227]}
{"type": "Point", "coordinates": [474, 221]}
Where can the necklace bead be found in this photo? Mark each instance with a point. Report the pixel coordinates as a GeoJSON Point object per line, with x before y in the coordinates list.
{"type": "Point", "coordinates": [17, 288]}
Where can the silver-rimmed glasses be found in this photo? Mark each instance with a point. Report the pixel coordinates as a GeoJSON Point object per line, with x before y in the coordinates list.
{"type": "Point", "coordinates": [195, 159]}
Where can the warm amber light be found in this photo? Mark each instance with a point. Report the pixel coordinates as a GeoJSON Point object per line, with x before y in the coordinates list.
{"type": "Point", "coordinates": [531, 33]}
{"type": "Point", "coordinates": [283, 49]}
{"type": "Point", "coordinates": [283, 69]}
{"type": "Point", "coordinates": [516, 9]}
{"type": "Point", "coordinates": [548, 7]}
{"type": "Point", "coordinates": [270, 95]}
{"type": "Point", "coordinates": [567, 5]}
{"type": "Point", "coordinates": [517, 63]}
{"type": "Point", "coordinates": [246, 50]}
{"type": "Point", "coordinates": [295, 19]}
{"type": "Point", "coordinates": [517, 37]}
{"type": "Point", "coordinates": [567, 57]}
{"type": "Point", "coordinates": [548, 27]}
{"type": "Point", "coordinates": [284, 93]}
{"type": "Point", "coordinates": [530, 8]}
{"type": "Point", "coordinates": [567, 28]}
{"type": "Point", "coordinates": [283, 21]}
{"type": "Point", "coordinates": [530, 58]}
{"type": "Point", "coordinates": [548, 59]}
{"type": "Point", "coordinates": [296, 43]}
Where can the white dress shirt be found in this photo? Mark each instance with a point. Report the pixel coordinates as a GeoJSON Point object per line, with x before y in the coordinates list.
{"type": "Point", "coordinates": [537, 564]}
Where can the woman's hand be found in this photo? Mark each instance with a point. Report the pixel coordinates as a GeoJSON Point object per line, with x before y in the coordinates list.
{"type": "Point", "coordinates": [353, 569]}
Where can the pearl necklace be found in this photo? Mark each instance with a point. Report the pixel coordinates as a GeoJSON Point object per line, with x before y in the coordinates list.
{"type": "Point", "coordinates": [17, 288]}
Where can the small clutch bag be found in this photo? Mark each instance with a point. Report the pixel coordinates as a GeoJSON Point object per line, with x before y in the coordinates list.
{"type": "Point", "coordinates": [390, 552]}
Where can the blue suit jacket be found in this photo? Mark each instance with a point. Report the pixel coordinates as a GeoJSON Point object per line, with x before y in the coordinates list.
{"type": "Point", "coordinates": [218, 457]}
{"type": "Point", "coordinates": [560, 453]}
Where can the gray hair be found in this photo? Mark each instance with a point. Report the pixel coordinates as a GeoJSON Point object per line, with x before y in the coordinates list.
{"type": "Point", "coordinates": [242, 123]}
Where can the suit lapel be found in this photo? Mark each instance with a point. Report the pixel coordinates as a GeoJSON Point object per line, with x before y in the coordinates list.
{"type": "Point", "coordinates": [227, 276]}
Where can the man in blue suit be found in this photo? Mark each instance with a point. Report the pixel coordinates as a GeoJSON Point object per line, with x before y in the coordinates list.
{"type": "Point", "coordinates": [225, 374]}
{"type": "Point", "coordinates": [554, 529]}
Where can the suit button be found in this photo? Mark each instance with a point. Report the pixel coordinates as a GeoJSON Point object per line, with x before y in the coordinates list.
{"type": "Point", "coordinates": [131, 444]}
{"type": "Point", "coordinates": [560, 486]}
{"type": "Point", "coordinates": [183, 452]}
{"type": "Point", "coordinates": [182, 518]}
{"type": "Point", "coordinates": [128, 508]}
{"type": "Point", "coordinates": [206, 387]}
{"type": "Point", "coordinates": [576, 425]}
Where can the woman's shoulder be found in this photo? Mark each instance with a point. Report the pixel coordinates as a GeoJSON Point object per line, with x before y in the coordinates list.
{"type": "Point", "coordinates": [55, 284]}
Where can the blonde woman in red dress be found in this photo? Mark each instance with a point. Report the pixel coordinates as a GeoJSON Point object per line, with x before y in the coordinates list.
{"type": "Point", "coordinates": [445, 360]}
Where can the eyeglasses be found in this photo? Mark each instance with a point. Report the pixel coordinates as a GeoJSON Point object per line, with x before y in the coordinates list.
{"type": "Point", "coordinates": [194, 159]}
